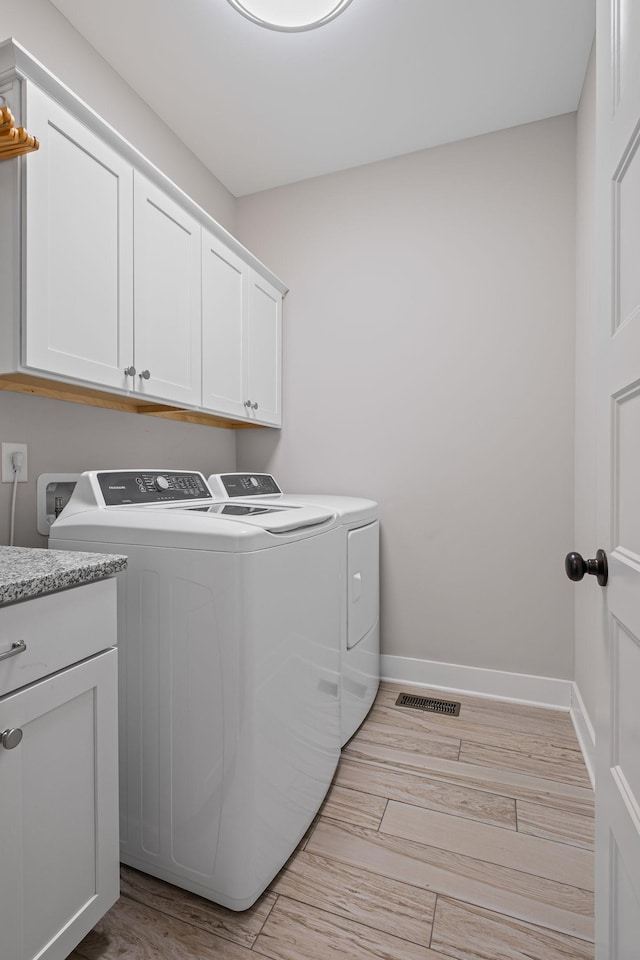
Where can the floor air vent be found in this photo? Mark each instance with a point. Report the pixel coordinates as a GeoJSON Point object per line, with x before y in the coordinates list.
{"type": "Point", "coordinates": [447, 707]}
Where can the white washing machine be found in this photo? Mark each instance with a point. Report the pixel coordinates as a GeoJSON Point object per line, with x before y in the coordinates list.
{"type": "Point", "coordinates": [229, 705]}
{"type": "Point", "coordinates": [360, 579]}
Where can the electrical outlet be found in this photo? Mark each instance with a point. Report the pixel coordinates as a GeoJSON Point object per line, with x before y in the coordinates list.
{"type": "Point", "coordinates": [7, 466]}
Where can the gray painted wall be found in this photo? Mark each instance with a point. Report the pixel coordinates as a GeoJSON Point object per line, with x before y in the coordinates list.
{"type": "Point", "coordinates": [41, 28]}
{"type": "Point", "coordinates": [428, 334]}
{"type": "Point", "coordinates": [586, 601]}
{"type": "Point", "coordinates": [66, 437]}
{"type": "Point", "coordinates": [429, 354]}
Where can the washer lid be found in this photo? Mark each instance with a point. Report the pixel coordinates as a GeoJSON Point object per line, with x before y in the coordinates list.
{"type": "Point", "coordinates": [350, 510]}
{"type": "Point", "coordinates": [274, 519]}
{"type": "Point", "coordinates": [161, 518]}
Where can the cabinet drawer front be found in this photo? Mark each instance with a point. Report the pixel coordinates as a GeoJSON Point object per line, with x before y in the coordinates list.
{"type": "Point", "coordinates": [58, 629]}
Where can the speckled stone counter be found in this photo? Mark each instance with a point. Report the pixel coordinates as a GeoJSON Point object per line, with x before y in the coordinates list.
{"type": "Point", "coordinates": [27, 572]}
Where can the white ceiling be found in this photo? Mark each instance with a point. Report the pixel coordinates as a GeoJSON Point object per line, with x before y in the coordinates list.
{"type": "Point", "coordinates": [262, 108]}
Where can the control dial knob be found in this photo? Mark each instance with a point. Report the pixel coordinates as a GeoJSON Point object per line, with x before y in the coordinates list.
{"type": "Point", "coordinates": [162, 483]}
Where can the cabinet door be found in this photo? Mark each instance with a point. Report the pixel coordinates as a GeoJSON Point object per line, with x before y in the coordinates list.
{"type": "Point", "coordinates": [167, 308]}
{"type": "Point", "coordinates": [78, 255]}
{"type": "Point", "coordinates": [59, 870]}
{"type": "Point", "coordinates": [264, 350]}
{"type": "Point", "coordinates": [224, 310]}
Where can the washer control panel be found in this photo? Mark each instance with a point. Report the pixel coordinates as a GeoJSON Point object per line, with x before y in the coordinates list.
{"type": "Point", "coordinates": [151, 486]}
{"type": "Point", "coordinates": [230, 485]}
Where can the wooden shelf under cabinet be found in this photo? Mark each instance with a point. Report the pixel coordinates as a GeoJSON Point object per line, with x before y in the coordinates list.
{"type": "Point", "coordinates": [55, 390]}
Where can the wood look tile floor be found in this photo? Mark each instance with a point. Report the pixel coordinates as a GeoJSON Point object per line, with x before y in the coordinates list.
{"type": "Point", "coordinates": [465, 837]}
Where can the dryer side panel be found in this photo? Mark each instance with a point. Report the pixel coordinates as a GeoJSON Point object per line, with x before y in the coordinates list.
{"type": "Point", "coordinates": [361, 652]}
{"type": "Point", "coordinates": [363, 579]}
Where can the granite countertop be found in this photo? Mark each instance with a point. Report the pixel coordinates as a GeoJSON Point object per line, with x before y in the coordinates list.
{"type": "Point", "coordinates": [27, 572]}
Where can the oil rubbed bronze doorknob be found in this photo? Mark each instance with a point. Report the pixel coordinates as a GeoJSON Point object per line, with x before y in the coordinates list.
{"type": "Point", "coordinates": [576, 567]}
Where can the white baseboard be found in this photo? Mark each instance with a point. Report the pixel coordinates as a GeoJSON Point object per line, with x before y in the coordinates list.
{"type": "Point", "coordinates": [584, 731]}
{"type": "Point", "coordinates": [498, 684]}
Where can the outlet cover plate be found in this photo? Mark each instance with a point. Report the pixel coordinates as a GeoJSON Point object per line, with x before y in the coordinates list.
{"type": "Point", "coordinates": [7, 467]}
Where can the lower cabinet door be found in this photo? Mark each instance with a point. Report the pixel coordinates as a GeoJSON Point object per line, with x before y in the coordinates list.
{"type": "Point", "coordinates": [59, 870]}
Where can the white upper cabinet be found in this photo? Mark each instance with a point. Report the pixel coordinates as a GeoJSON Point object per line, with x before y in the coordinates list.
{"type": "Point", "coordinates": [263, 354]}
{"type": "Point", "coordinates": [115, 279]}
{"type": "Point", "coordinates": [224, 308]}
{"type": "Point", "coordinates": [167, 307]}
{"type": "Point", "coordinates": [78, 256]}
{"type": "Point", "coordinates": [241, 337]}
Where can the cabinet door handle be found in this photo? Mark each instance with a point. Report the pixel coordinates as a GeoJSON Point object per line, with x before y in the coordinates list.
{"type": "Point", "coordinates": [145, 375]}
{"type": "Point", "coordinates": [11, 738]}
{"type": "Point", "coordinates": [130, 371]}
{"type": "Point", "coordinates": [17, 647]}
{"type": "Point", "coordinates": [248, 404]}
{"type": "Point", "coordinates": [254, 406]}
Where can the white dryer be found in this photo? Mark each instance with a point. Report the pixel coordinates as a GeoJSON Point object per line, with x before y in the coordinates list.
{"type": "Point", "coordinates": [229, 705]}
{"type": "Point", "coordinates": [359, 576]}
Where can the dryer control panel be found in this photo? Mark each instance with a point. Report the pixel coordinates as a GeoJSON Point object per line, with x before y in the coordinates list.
{"type": "Point", "coordinates": [120, 487]}
{"type": "Point", "coordinates": [229, 485]}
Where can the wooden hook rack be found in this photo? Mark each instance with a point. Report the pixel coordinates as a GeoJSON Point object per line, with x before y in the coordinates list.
{"type": "Point", "coordinates": [14, 141]}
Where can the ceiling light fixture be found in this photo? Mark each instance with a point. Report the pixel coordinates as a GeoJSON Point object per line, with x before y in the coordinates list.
{"type": "Point", "coordinates": [290, 16]}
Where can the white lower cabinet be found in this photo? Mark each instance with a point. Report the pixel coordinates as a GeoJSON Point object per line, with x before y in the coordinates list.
{"type": "Point", "coordinates": [59, 850]}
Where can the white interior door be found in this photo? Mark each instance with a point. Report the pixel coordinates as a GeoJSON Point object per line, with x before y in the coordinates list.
{"type": "Point", "coordinates": [618, 720]}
